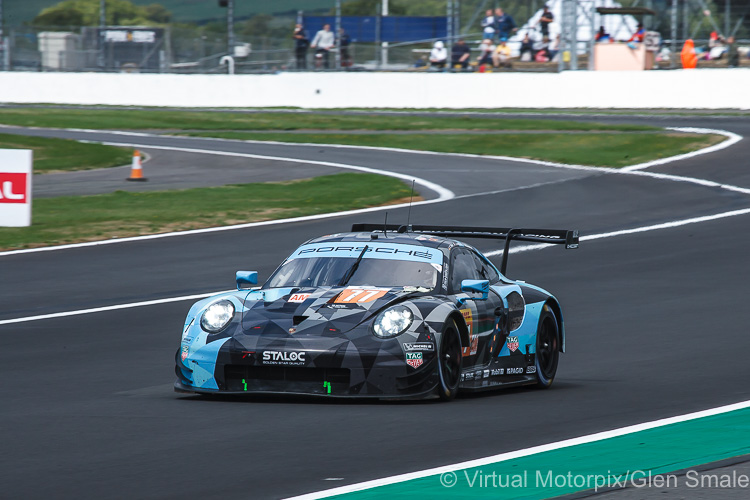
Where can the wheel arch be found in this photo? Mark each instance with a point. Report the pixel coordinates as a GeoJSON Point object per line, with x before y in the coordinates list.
{"type": "Point", "coordinates": [463, 330]}
{"type": "Point", "coordinates": [552, 303]}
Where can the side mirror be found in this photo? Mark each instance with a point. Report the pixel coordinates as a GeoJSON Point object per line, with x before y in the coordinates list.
{"type": "Point", "coordinates": [246, 278]}
{"type": "Point", "coordinates": [476, 286]}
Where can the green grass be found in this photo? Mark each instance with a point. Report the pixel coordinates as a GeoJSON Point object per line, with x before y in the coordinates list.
{"type": "Point", "coordinates": [61, 154]}
{"type": "Point", "coordinates": [601, 149]}
{"type": "Point", "coordinates": [124, 119]}
{"type": "Point", "coordinates": [567, 111]}
{"type": "Point", "coordinates": [120, 214]}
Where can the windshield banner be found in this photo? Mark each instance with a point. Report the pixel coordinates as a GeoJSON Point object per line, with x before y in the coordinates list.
{"type": "Point", "coordinates": [386, 251]}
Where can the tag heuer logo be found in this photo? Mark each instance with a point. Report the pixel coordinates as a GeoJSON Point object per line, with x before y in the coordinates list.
{"type": "Point", "coordinates": [513, 344]}
{"type": "Point", "coordinates": [185, 350]}
{"type": "Point", "coordinates": [414, 359]}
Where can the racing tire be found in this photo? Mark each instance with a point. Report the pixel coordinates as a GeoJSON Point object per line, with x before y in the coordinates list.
{"type": "Point", "coordinates": [449, 361]}
{"type": "Point", "coordinates": [547, 348]}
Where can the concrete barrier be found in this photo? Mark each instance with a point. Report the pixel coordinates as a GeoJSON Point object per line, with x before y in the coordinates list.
{"type": "Point", "coordinates": [699, 89]}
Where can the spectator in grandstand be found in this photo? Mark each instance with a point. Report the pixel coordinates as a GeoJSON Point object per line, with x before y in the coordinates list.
{"type": "Point", "coordinates": [638, 35]}
{"type": "Point", "coordinates": [541, 50]}
{"type": "Point", "coordinates": [545, 21]}
{"type": "Point", "coordinates": [460, 54]}
{"type": "Point", "coordinates": [438, 55]}
{"type": "Point", "coordinates": [501, 56]}
{"type": "Point", "coordinates": [733, 56]}
{"type": "Point", "coordinates": [486, 48]}
{"type": "Point", "coordinates": [323, 43]}
{"type": "Point", "coordinates": [344, 42]}
{"type": "Point", "coordinates": [488, 24]}
{"type": "Point", "coordinates": [527, 49]}
{"type": "Point", "coordinates": [602, 35]}
{"type": "Point", "coordinates": [301, 43]}
{"type": "Point", "coordinates": [716, 46]}
{"type": "Point", "coordinates": [554, 48]}
{"type": "Point", "coordinates": [505, 26]}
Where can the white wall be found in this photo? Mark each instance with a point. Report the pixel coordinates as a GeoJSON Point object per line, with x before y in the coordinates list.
{"type": "Point", "coordinates": [704, 89]}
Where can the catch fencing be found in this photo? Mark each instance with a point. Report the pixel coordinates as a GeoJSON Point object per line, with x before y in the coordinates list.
{"type": "Point", "coordinates": [377, 42]}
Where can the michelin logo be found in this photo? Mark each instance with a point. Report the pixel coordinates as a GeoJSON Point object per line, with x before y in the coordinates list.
{"type": "Point", "coordinates": [421, 346]}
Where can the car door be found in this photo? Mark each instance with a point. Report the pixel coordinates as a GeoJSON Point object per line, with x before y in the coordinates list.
{"type": "Point", "coordinates": [479, 315]}
{"type": "Point", "coordinates": [493, 342]}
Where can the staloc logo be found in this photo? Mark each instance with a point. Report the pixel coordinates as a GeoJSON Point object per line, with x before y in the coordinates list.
{"type": "Point", "coordinates": [12, 188]}
{"type": "Point", "coordinates": [284, 358]}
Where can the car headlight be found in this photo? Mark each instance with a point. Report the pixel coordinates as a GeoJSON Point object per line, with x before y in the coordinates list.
{"type": "Point", "coordinates": [393, 321]}
{"type": "Point", "coordinates": [217, 316]}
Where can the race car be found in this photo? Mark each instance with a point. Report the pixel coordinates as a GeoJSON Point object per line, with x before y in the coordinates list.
{"type": "Point", "coordinates": [382, 311]}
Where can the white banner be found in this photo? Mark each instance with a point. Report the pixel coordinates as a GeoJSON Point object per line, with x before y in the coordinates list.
{"type": "Point", "coordinates": [15, 187]}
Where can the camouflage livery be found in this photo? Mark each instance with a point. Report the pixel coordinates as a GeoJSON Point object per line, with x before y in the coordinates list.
{"type": "Point", "coordinates": [320, 340]}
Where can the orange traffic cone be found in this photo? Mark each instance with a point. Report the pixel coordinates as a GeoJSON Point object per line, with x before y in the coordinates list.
{"type": "Point", "coordinates": [136, 171]}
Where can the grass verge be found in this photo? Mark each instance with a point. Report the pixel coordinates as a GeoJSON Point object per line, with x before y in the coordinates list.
{"type": "Point", "coordinates": [87, 218]}
{"type": "Point", "coordinates": [566, 111]}
{"type": "Point", "coordinates": [52, 155]}
{"type": "Point", "coordinates": [145, 119]}
{"type": "Point", "coordinates": [601, 149]}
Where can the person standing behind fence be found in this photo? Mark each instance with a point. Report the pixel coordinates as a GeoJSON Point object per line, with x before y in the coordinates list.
{"type": "Point", "coordinates": [301, 43]}
{"type": "Point", "coordinates": [323, 43]}
{"type": "Point", "coordinates": [733, 55]}
{"type": "Point", "coordinates": [505, 26]}
{"type": "Point", "coordinates": [345, 41]}
{"type": "Point", "coordinates": [545, 21]}
{"type": "Point", "coordinates": [488, 24]}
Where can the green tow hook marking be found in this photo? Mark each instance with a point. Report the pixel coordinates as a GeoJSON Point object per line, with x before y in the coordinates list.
{"type": "Point", "coordinates": [244, 383]}
{"type": "Point", "coordinates": [327, 385]}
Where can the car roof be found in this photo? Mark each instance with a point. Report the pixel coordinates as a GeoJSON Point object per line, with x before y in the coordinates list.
{"type": "Point", "coordinates": [425, 240]}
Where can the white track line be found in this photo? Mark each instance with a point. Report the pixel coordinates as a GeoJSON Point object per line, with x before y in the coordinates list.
{"type": "Point", "coordinates": [732, 139]}
{"type": "Point", "coordinates": [107, 308]}
{"type": "Point", "coordinates": [443, 195]}
{"type": "Point", "coordinates": [503, 457]}
{"type": "Point", "coordinates": [525, 248]}
{"type": "Point", "coordinates": [644, 229]}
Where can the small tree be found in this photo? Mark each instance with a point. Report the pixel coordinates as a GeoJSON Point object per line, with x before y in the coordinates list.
{"type": "Point", "coordinates": [86, 13]}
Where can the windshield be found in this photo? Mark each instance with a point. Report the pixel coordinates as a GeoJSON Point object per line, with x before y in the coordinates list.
{"type": "Point", "coordinates": [328, 271]}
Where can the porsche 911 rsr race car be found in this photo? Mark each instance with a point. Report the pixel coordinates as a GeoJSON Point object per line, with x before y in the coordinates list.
{"type": "Point", "coordinates": [382, 311]}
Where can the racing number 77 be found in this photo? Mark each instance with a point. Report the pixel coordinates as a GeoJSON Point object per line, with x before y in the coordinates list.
{"type": "Point", "coordinates": [361, 294]}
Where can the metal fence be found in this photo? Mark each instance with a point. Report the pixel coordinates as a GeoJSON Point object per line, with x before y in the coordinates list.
{"type": "Point", "coordinates": [195, 49]}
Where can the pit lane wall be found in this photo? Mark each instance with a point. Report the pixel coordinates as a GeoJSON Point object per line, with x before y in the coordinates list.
{"type": "Point", "coordinates": [680, 89]}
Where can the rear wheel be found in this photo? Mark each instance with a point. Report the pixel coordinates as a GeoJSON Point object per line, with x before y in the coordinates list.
{"type": "Point", "coordinates": [547, 348]}
{"type": "Point", "coordinates": [449, 361]}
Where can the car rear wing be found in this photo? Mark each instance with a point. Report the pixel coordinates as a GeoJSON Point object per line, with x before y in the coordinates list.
{"type": "Point", "coordinates": [566, 237]}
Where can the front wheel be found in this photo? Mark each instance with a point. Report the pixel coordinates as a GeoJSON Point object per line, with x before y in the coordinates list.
{"type": "Point", "coordinates": [449, 361]}
{"type": "Point", "coordinates": [547, 348]}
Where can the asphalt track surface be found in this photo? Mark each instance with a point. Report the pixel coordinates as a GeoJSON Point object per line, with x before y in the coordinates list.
{"type": "Point", "coordinates": [656, 321]}
{"type": "Point", "coordinates": [173, 170]}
